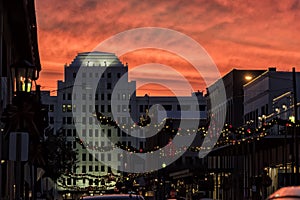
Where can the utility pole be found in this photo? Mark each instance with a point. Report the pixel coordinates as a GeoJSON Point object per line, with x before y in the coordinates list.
{"type": "Point", "coordinates": [295, 135]}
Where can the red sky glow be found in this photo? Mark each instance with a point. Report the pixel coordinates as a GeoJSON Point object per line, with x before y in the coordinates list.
{"type": "Point", "coordinates": [243, 34]}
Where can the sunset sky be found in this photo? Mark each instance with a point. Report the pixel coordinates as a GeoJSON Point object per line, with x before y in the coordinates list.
{"type": "Point", "coordinates": [243, 34]}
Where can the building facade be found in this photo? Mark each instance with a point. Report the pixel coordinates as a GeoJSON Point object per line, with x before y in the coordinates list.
{"type": "Point", "coordinates": [110, 122]}
{"type": "Point", "coordinates": [254, 159]}
{"type": "Point", "coordinates": [260, 93]}
{"type": "Point", "coordinates": [233, 83]}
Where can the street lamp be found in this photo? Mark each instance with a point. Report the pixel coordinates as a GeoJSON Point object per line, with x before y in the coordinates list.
{"type": "Point", "coordinates": [23, 73]}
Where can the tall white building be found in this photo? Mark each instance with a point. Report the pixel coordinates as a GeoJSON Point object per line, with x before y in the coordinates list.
{"type": "Point", "coordinates": [114, 102]}
{"type": "Point", "coordinates": [108, 69]}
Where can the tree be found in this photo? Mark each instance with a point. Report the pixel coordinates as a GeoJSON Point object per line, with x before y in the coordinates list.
{"type": "Point", "coordinates": [59, 157]}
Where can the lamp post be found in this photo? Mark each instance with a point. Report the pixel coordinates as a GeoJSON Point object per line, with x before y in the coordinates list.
{"type": "Point", "coordinates": [23, 73]}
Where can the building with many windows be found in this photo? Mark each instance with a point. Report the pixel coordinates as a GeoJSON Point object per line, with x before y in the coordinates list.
{"type": "Point", "coordinates": [98, 120]}
{"type": "Point", "coordinates": [265, 146]}
{"type": "Point", "coordinates": [260, 93]}
{"type": "Point", "coordinates": [233, 83]}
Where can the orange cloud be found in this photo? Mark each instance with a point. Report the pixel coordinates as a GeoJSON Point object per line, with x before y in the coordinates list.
{"type": "Point", "coordinates": [243, 34]}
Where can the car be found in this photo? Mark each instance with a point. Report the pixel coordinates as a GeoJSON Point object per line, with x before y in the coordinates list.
{"type": "Point", "coordinates": [286, 193]}
{"type": "Point", "coordinates": [114, 197]}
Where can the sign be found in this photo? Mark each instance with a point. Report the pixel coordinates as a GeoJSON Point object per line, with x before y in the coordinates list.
{"type": "Point", "coordinates": [18, 146]}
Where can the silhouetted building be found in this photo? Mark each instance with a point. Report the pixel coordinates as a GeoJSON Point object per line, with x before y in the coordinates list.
{"type": "Point", "coordinates": [233, 82]}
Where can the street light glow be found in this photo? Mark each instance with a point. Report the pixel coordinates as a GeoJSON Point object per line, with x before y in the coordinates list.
{"type": "Point", "coordinates": [248, 77]}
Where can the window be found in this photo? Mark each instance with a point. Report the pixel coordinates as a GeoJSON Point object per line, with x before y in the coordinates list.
{"type": "Point", "coordinates": [83, 157]}
{"type": "Point", "coordinates": [108, 108]}
{"type": "Point", "coordinates": [102, 108]}
{"type": "Point", "coordinates": [83, 132]}
{"type": "Point", "coordinates": [90, 120]}
{"type": "Point", "coordinates": [97, 168]}
{"type": "Point", "coordinates": [108, 75]}
{"type": "Point", "coordinates": [74, 145]}
{"type": "Point", "coordinates": [83, 108]}
{"type": "Point", "coordinates": [108, 96]}
{"type": "Point", "coordinates": [124, 134]}
{"type": "Point", "coordinates": [102, 96]}
{"type": "Point", "coordinates": [90, 157]}
{"type": "Point", "coordinates": [91, 168]}
{"type": "Point", "coordinates": [108, 86]}
{"type": "Point", "coordinates": [69, 132]}
{"type": "Point", "coordinates": [108, 132]}
{"type": "Point", "coordinates": [83, 120]}
{"type": "Point", "coordinates": [96, 156]}
{"type": "Point", "coordinates": [108, 157]}
{"type": "Point", "coordinates": [69, 120]}
{"type": "Point", "coordinates": [74, 133]}
{"type": "Point", "coordinates": [102, 156]}
{"type": "Point", "coordinates": [118, 75]}
{"type": "Point", "coordinates": [69, 144]}
{"type": "Point", "coordinates": [102, 168]}
{"type": "Point", "coordinates": [64, 108]}
{"type": "Point", "coordinates": [83, 75]}
{"type": "Point", "coordinates": [84, 96]}
{"type": "Point", "coordinates": [64, 120]}
{"type": "Point", "coordinates": [96, 133]}
{"type": "Point", "coordinates": [51, 108]}
{"type": "Point", "coordinates": [69, 181]}
{"type": "Point", "coordinates": [69, 108]}
{"type": "Point", "coordinates": [69, 96]}
{"type": "Point", "coordinates": [91, 132]}
{"type": "Point", "coordinates": [83, 169]}
{"type": "Point", "coordinates": [168, 107]}
{"type": "Point", "coordinates": [90, 181]}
